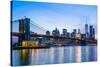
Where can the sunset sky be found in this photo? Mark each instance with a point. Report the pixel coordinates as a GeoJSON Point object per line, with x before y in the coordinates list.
{"type": "Point", "coordinates": [52, 15]}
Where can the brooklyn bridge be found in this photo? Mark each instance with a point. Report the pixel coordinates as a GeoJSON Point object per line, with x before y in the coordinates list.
{"type": "Point", "coordinates": [27, 29]}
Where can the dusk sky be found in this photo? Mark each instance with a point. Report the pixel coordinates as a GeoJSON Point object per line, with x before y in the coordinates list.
{"type": "Point", "coordinates": [52, 15]}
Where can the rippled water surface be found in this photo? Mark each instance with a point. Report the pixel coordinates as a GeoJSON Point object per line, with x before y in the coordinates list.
{"type": "Point", "coordinates": [54, 55]}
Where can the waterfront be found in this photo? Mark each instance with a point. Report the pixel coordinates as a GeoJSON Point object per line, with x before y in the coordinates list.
{"type": "Point", "coordinates": [52, 33]}
{"type": "Point", "coordinates": [54, 55]}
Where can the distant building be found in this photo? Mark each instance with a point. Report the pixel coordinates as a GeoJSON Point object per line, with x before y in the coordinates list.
{"type": "Point", "coordinates": [83, 36]}
{"type": "Point", "coordinates": [65, 32]}
{"type": "Point", "coordinates": [86, 31]}
{"type": "Point", "coordinates": [53, 33]}
{"type": "Point", "coordinates": [74, 33]}
{"type": "Point", "coordinates": [86, 28]}
{"type": "Point", "coordinates": [79, 31]}
{"type": "Point", "coordinates": [91, 31]}
{"type": "Point", "coordinates": [78, 35]}
{"type": "Point", "coordinates": [47, 32]}
{"type": "Point", "coordinates": [30, 43]}
{"type": "Point", "coordinates": [68, 35]}
{"type": "Point", "coordinates": [47, 38]}
{"type": "Point", "coordinates": [56, 32]}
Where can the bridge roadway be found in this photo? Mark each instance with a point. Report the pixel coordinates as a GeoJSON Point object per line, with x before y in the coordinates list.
{"type": "Point", "coordinates": [40, 35]}
{"type": "Point", "coordinates": [50, 36]}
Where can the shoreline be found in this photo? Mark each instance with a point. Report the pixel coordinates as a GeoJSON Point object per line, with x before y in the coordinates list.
{"type": "Point", "coordinates": [45, 47]}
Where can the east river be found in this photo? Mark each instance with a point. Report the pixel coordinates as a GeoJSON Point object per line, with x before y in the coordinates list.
{"type": "Point", "coordinates": [54, 55]}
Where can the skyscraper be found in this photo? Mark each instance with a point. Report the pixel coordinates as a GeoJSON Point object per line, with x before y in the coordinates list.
{"type": "Point", "coordinates": [91, 31]}
{"type": "Point", "coordinates": [53, 33]}
{"type": "Point", "coordinates": [74, 33]}
{"type": "Point", "coordinates": [68, 35]}
{"type": "Point", "coordinates": [79, 31]}
{"type": "Point", "coordinates": [56, 32]}
{"type": "Point", "coordinates": [64, 32]}
{"type": "Point", "coordinates": [86, 30]}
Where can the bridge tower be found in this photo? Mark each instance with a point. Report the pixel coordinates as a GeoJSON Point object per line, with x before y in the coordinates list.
{"type": "Point", "coordinates": [24, 29]}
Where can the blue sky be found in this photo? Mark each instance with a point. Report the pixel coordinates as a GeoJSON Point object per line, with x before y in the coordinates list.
{"type": "Point", "coordinates": [52, 15]}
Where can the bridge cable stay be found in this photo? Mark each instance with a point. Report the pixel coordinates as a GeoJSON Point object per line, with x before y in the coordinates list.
{"type": "Point", "coordinates": [32, 24]}
{"type": "Point", "coordinates": [37, 25]}
{"type": "Point", "coordinates": [15, 21]}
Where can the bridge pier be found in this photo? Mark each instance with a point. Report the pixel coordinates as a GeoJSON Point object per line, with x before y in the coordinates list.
{"type": "Point", "coordinates": [24, 29]}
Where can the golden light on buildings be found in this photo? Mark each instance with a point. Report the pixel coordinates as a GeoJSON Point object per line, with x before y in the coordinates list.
{"type": "Point", "coordinates": [78, 36]}
{"type": "Point", "coordinates": [30, 43]}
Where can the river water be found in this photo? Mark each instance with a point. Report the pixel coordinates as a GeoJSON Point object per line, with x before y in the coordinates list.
{"type": "Point", "coordinates": [54, 55]}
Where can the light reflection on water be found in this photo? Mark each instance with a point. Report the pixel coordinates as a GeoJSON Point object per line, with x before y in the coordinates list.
{"type": "Point", "coordinates": [54, 55]}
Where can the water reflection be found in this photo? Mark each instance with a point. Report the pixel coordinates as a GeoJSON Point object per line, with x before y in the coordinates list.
{"type": "Point", "coordinates": [54, 55]}
{"type": "Point", "coordinates": [24, 57]}
{"type": "Point", "coordinates": [78, 55]}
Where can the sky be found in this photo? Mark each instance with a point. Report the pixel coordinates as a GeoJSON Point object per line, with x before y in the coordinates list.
{"type": "Point", "coordinates": [52, 15]}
